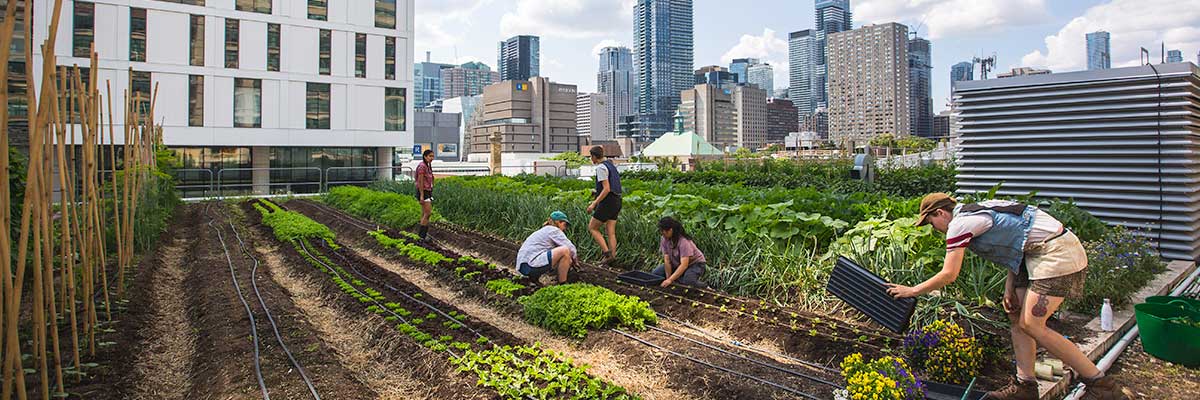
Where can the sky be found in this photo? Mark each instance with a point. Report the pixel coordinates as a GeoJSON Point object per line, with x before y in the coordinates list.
{"type": "Point", "coordinates": [1032, 33]}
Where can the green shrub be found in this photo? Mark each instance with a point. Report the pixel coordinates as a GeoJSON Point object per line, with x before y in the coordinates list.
{"type": "Point", "coordinates": [392, 209]}
{"type": "Point", "coordinates": [1119, 264]}
{"type": "Point", "coordinates": [1087, 227]}
{"type": "Point", "coordinates": [573, 309]}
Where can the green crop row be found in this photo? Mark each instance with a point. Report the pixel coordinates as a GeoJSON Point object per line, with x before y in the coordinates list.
{"type": "Point", "coordinates": [574, 309]}
{"type": "Point", "coordinates": [412, 251]}
{"type": "Point", "coordinates": [530, 372]}
{"type": "Point", "coordinates": [395, 210]}
{"type": "Point", "coordinates": [290, 226]}
{"type": "Point", "coordinates": [504, 287]}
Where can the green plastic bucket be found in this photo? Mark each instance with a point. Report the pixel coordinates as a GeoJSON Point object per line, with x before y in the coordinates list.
{"type": "Point", "coordinates": [1192, 305]}
{"type": "Point", "coordinates": [1168, 340]}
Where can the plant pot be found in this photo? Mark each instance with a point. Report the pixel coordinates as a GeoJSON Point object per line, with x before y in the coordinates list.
{"type": "Point", "coordinates": [1192, 305]}
{"type": "Point", "coordinates": [943, 391]}
{"type": "Point", "coordinates": [1167, 340]}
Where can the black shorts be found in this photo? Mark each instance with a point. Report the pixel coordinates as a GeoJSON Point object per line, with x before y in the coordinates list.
{"type": "Point", "coordinates": [608, 209]}
{"type": "Point", "coordinates": [424, 196]}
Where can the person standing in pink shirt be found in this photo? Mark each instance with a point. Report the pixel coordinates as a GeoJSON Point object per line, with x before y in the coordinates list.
{"type": "Point", "coordinates": [424, 181]}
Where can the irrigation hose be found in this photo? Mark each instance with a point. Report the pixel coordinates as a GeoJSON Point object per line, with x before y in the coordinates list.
{"type": "Point", "coordinates": [717, 367]}
{"type": "Point", "coordinates": [274, 328]}
{"type": "Point", "coordinates": [253, 325]}
{"type": "Point", "coordinates": [756, 362]}
{"type": "Point", "coordinates": [749, 347]}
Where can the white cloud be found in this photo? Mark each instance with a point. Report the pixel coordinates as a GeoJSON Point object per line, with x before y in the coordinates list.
{"type": "Point", "coordinates": [439, 22]}
{"type": "Point", "coordinates": [1132, 24]}
{"type": "Point", "coordinates": [768, 48]}
{"type": "Point", "coordinates": [941, 18]}
{"type": "Point", "coordinates": [570, 19]}
{"type": "Point", "coordinates": [601, 45]}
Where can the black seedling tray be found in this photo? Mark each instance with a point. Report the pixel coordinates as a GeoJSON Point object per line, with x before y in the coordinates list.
{"type": "Point", "coordinates": [941, 391]}
{"type": "Point", "coordinates": [641, 278]}
{"type": "Point", "coordinates": [865, 291]}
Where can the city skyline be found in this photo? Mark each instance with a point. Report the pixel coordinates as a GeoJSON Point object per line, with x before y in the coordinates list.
{"type": "Point", "coordinates": [1037, 33]}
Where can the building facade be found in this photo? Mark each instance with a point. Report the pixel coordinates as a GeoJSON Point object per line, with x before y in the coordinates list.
{"type": "Point", "coordinates": [662, 57]}
{"type": "Point", "coordinates": [427, 82]}
{"type": "Point", "coordinates": [280, 84]}
{"type": "Point", "coordinates": [802, 56]}
{"type": "Point", "coordinates": [941, 125]}
{"type": "Point", "coordinates": [709, 111]}
{"type": "Point", "coordinates": [519, 58]}
{"type": "Point", "coordinates": [617, 81]}
{"type": "Point", "coordinates": [1174, 56]}
{"type": "Point", "coordinates": [920, 71]}
{"type": "Point", "coordinates": [467, 80]}
{"type": "Point", "coordinates": [750, 105]}
{"type": "Point", "coordinates": [437, 131]}
{"type": "Point", "coordinates": [781, 119]}
{"type": "Point", "coordinates": [534, 116]}
{"type": "Point", "coordinates": [1099, 51]}
{"type": "Point", "coordinates": [717, 76]}
{"type": "Point", "coordinates": [741, 67]}
{"type": "Point", "coordinates": [763, 77]}
{"type": "Point", "coordinates": [963, 71]}
{"type": "Point", "coordinates": [1022, 71]}
{"type": "Point", "coordinates": [592, 119]}
{"type": "Point", "coordinates": [466, 107]}
{"type": "Point", "coordinates": [832, 16]}
{"type": "Point", "coordinates": [868, 82]}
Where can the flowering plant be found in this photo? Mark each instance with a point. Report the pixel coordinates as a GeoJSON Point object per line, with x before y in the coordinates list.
{"type": "Point", "coordinates": [886, 378]}
{"type": "Point", "coordinates": [944, 352]}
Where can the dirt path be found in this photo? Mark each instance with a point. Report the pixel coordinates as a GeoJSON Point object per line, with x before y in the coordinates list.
{"type": "Point", "coordinates": [165, 362]}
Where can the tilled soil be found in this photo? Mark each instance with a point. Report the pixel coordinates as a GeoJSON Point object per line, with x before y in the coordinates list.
{"type": "Point", "coordinates": [687, 367]}
{"type": "Point", "coordinates": [1150, 378]}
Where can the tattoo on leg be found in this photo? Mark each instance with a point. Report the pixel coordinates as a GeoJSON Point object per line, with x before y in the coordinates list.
{"type": "Point", "coordinates": [1039, 308]}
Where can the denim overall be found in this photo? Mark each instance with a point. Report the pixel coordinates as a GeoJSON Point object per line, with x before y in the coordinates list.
{"type": "Point", "coordinates": [1004, 243]}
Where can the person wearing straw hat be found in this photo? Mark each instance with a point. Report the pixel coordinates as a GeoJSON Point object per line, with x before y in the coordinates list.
{"type": "Point", "coordinates": [548, 249]}
{"type": "Point", "coordinates": [1046, 264]}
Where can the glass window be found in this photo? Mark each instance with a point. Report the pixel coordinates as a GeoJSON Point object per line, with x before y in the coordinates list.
{"type": "Point", "coordinates": [140, 82]}
{"type": "Point", "coordinates": [385, 14]}
{"type": "Point", "coordinates": [195, 100]}
{"type": "Point", "coordinates": [324, 53]}
{"type": "Point", "coordinates": [196, 53]}
{"type": "Point", "coordinates": [318, 10]}
{"type": "Point", "coordinates": [247, 103]}
{"type": "Point", "coordinates": [258, 6]}
{"type": "Point", "coordinates": [389, 62]}
{"type": "Point", "coordinates": [137, 34]}
{"type": "Point", "coordinates": [360, 55]}
{"type": "Point", "coordinates": [393, 109]}
{"type": "Point", "coordinates": [317, 108]}
{"type": "Point", "coordinates": [231, 42]}
{"type": "Point", "coordinates": [272, 47]}
{"type": "Point", "coordinates": [84, 29]}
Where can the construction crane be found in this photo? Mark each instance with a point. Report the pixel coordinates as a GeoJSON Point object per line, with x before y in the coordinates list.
{"type": "Point", "coordinates": [985, 65]}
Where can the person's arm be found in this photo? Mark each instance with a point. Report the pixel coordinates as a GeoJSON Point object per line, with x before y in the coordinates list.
{"type": "Point", "coordinates": [672, 277]}
{"type": "Point", "coordinates": [667, 267]}
{"type": "Point", "coordinates": [1011, 303]}
{"type": "Point", "coordinates": [949, 272]}
{"type": "Point", "coordinates": [604, 190]}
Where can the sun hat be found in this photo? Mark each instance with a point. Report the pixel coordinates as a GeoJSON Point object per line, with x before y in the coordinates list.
{"type": "Point", "coordinates": [933, 202]}
{"type": "Point", "coordinates": [560, 216]}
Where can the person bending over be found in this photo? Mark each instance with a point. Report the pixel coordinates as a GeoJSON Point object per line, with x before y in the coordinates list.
{"type": "Point", "coordinates": [682, 261]}
{"type": "Point", "coordinates": [548, 249]}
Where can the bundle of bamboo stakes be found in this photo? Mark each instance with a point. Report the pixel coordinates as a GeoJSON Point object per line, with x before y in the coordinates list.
{"type": "Point", "coordinates": [63, 237]}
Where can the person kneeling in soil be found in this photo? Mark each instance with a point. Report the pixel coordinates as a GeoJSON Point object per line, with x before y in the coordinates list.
{"type": "Point", "coordinates": [548, 248]}
{"type": "Point", "coordinates": [682, 261]}
{"type": "Point", "coordinates": [1046, 264]}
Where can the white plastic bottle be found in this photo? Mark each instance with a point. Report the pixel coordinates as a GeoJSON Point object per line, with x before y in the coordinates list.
{"type": "Point", "coordinates": [1106, 316]}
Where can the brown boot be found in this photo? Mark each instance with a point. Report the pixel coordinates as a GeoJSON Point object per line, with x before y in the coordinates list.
{"type": "Point", "coordinates": [1017, 389]}
{"type": "Point", "coordinates": [1107, 388]}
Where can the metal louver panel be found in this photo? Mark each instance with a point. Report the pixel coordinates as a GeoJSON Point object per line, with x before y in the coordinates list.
{"type": "Point", "coordinates": [866, 292]}
{"type": "Point", "coordinates": [1121, 142]}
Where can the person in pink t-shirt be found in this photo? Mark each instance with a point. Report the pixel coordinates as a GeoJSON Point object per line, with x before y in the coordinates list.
{"type": "Point", "coordinates": [682, 261]}
{"type": "Point", "coordinates": [424, 181]}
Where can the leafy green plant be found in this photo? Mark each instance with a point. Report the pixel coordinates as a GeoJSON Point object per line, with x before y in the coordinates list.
{"type": "Point", "coordinates": [290, 225]}
{"type": "Point", "coordinates": [1119, 263]}
{"type": "Point", "coordinates": [504, 286]}
{"type": "Point", "coordinates": [574, 159]}
{"type": "Point", "coordinates": [392, 209]}
{"type": "Point", "coordinates": [531, 372]}
{"type": "Point", "coordinates": [573, 309]}
{"type": "Point", "coordinates": [412, 251]}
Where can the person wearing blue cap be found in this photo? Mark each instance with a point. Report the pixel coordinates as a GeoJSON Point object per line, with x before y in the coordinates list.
{"type": "Point", "coordinates": [548, 249]}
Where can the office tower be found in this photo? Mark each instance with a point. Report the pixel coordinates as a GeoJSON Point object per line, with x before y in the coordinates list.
{"type": "Point", "coordinates": [519, 58]}
{"type": "Point", "coordinates": [920, 70]}
{"type": "Point", "coordinates": [740, 66]}
{"type": "Point", "coordinates": [591, 116]}
{"type": "Point", "coordinates": [963, 71]}
{"type": "Point", "coordinates": [750, 105]}
{"type": "Point", "coordinates": [832, 16]}
{"type": "Point", "coordinates": [709, 112]}
{"type": "Point", "coordinates": [427, 82]}
{"type": "Point", "coordinates": [534, 116]}
{"type": "Point", "coordinates": [781, 119]}
{"type": "Point", "coordinates": [1099, 52]}
{"type": "Point", "coordinates": [941, 125]}
{"type": "Point", "coordinates": [618, 82]}
{"type": "Point", "coordinates": [717, 76]}
{"type": "Point", "coordinates": [1174, 56]}
{"type": "Point", "coordinates": [868, 82]}
{"type": "Point", "coordinates": [802, 56]}
{"type": "Point", "coordinates": [763, 77]}
{"type": "Point", "coordinates": [662, 57]}
{"type": "Point", "coordinates": [468, 79]}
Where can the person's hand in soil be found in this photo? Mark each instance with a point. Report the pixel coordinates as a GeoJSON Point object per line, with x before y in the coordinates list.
{"type": "Point", "coordinates": [666, 283]}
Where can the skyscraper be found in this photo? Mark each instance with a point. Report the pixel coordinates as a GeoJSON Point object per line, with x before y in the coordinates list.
{"type": "Point", "coordinates": [750, 103]}
{"type": "Point", "coordinates": [740, 66]}
{"type": "Point", "coordinates": [710, 112]}
{"type": "Point", "coordinates": [427, 82]}
{"type": "Point", "coordinates": [1174, 56]}
{"type": "Point", "coordinates": [963, 71]}
{"type": "Point", "coordinates": [519, 58]}
{"type": "Point", "coordinates": [832, 16]}
{"type": "Point", "coordinates": [762, 76]}
{"type": "Point", "coordinates": [467, 80]}
{"type": "Point", "coordinates": [1099, 53]}
{"type": "Point", "coordinates": [920, 70]}
{"type": "Point", "coordinates": [662, 56]}
{"type": "Point", "coordinates": [868, 82]}
{"type": "Point", "coordinates": [802, 55]}
{"type": "Point", "coordinates": [717, 76]}
{"type": "Point", "coordinates": [617, 81]}
{"type": "Point", "coordinates": [781, 120]}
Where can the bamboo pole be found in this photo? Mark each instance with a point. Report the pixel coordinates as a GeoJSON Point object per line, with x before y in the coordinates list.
{"type": "Point", "coordinates": [6, 37]}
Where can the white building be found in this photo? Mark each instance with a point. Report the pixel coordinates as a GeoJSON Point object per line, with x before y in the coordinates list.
{"type": "Point", "coordinates": [592, 117]}
{"type": "Point", "coordinates": [254, 83]}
